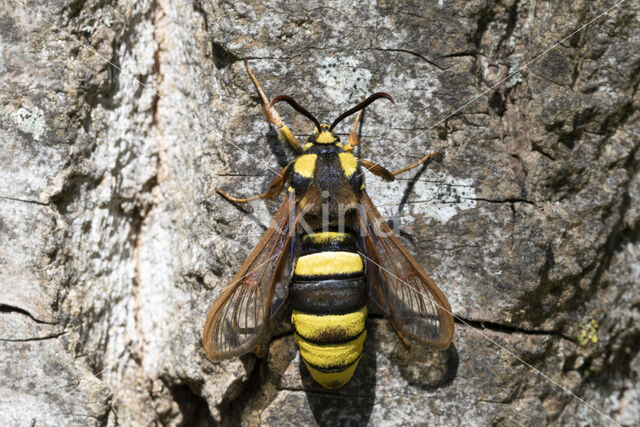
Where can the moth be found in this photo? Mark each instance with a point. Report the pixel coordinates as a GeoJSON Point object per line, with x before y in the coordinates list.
{"type": "Point", "coordinates": [328, 253]}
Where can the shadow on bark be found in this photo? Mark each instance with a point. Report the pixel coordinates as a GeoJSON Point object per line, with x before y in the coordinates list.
{"type": "Point", "coordinates": [353, 404]}
{"type": "Point", "coordinates": [431, 370]}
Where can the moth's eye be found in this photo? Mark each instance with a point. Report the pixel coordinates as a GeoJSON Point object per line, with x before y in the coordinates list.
{"type": "Point", "coordinates": [337, 139]}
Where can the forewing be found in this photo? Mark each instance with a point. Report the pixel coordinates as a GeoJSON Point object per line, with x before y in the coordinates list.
{"type": "Point", "coordinates": [399, 286]}
{"type": "Point", "coordinates": [238, 318]}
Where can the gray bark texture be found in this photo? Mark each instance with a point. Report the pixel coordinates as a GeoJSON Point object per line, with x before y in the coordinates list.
{"type": "Point", "coordinates": [119, 118]}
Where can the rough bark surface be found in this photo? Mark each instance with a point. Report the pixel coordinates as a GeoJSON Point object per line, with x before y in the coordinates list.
{"type": "Point", "coordinates": [118, 119]}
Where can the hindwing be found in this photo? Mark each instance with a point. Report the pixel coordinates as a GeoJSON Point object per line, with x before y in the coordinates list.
{"type": "Point", "coordinates": [238, 319]}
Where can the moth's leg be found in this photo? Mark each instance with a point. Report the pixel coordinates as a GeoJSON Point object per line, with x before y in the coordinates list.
{"type": "Point", "coordinates": [376, 169]}
{"type": "Point", "coordinates": [387, 175]}
{"type": "Point", "coordinates": [274, 188]}
{"type": "Point", "coordinates": [436, 155]}
{"type": "Point", "coordinates": [239, 200]}
{"type": "Point", "coordinates": [272, 116]}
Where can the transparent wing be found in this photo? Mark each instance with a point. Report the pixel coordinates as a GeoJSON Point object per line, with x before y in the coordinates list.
{"type": "Point", "coordinates": [238, 318]}
{"type": "Point", "coordinates": [398, 285]}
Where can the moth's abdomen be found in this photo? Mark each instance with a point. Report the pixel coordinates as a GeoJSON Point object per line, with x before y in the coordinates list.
{"type": "Point", "coordinates": [328, 294]}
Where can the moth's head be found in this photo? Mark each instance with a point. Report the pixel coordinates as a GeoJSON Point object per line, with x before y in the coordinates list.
{"type": "Point", "coordinates": [323, 134]}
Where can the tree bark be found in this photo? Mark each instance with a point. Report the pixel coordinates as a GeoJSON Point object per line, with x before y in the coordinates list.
{"type": "Point", "coordinates": [118, 120]}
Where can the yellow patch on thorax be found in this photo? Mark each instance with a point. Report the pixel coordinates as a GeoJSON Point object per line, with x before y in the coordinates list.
{"type": "Point", "coordinates": [329, 263]}
{"type": "Point", "coordinates": [326, 237]}
{"type": "Point", "coordinates": [325, 137]}
{"type": "Point", "coordinates": [305, 165]}
{"type": "Point", "coordinates": [307, 146]}
{"type": "Point", "coordinates": [316, 327]}
{"type": "Point", "coordinates": [349, 163]}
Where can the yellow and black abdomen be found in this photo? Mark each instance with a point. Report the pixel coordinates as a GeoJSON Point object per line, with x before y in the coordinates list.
{"type": "Point", "coordinates": [328, 295]}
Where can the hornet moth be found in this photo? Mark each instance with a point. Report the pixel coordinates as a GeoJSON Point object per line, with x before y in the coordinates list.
{"type": "Point", "coordinates": [328, 253]}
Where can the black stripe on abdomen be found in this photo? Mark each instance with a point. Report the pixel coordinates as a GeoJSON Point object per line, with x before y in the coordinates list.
{"type": "Point", "coordinates": [328, 296]}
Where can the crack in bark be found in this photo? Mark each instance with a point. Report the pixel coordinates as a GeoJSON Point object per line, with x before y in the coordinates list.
{"type": "Point", "coordinates": [510, 200]}
{"type": "Point", "coordinates": [537, 149]}
{"type": "Point", "coordinates": [416, 54]}
{"type": "Point", "coordinates": [509, 329]}
{"type": "Point", "coordinates": [16, 199]}
{"type": "Point", "coordinates": [7, 308]}
{"type": "Point", "coordinates": [459, 55]}
{"type": "Point", "coordinates": [240, 175]}
{"type": "Point", "coordinates": [43, 338]}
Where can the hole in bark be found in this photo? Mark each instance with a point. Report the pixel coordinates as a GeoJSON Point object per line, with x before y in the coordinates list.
{"type": "Point", "coordinates": [221, 56]}
{"type": "Point", "coordinates": [442, 133]}
{"type": "Point", "coordinates": [569, 363]}
{"type": "Point", "coordinates": [569, 139]}
{"type": "Point", "coordinates": [193, 407]}
{"type": "Point", "coordinates": [497, 103]}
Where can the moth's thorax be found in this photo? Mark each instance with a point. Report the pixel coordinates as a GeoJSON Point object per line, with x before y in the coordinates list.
{"type": "Point", "coordinates": [326, 180]}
